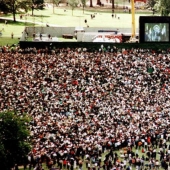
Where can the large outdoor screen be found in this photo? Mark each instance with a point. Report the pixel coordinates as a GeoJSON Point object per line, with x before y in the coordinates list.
{"type": "Point", "coordinates": [154, 29]}
{"type": "Point", "coordinates": [157, 32]}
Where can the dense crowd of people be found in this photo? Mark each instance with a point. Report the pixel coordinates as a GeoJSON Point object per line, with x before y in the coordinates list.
{"type": "Point", "coordinates": [84, 104]}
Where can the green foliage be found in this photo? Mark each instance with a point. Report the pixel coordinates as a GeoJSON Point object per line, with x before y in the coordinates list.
{"type": "Point", "coordinates": [4, 7]}
{"type": "Point", "coordinates": [151, 4]}
{"type": "Point", "coordinates": [39, 4]}
{"type": "Point", "coordinates": [56, 2]}
{"type": "Point", "coordinates": [163, 6]}
{"type": "Point", "coordinates": [73, 4]}
{"type": "Point", "coordinates": [15, 6]}
{"type": "Point", "coordinates": [84, 4]}
{"type": "Point", "coordinates": [14, 145]}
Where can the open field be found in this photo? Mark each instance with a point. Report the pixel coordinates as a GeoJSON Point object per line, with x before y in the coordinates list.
{"type": "Point", "coordinates": [119, 155]}
{"type": "Point", "coordinates": [63, 16]}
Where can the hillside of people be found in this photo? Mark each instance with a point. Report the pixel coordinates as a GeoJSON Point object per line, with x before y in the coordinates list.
{"type": "Point", "coordinates": [85, 103]}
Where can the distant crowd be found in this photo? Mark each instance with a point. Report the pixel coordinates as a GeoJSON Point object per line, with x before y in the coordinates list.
{"type": "Point", "coordinates": [84, 104]}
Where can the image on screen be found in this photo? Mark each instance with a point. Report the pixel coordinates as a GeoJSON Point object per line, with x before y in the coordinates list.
{"type": "Point", "coordinates": [156, 32]}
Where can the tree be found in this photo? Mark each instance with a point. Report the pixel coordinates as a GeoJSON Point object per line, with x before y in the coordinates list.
{"type": "Point", "coordinates": [73, 4]}
{"type": "Point", "coordinates": [98, 2]}
{"type": "Point", "coordinates": [151, 5]}
{"type": "Point", "coordinates": [14, 144]}
{"type": "Point", "coordinates": [3, 7]}
{"type": "Point", "coordinates": [37, 4]}
{"type": "Point", "coordinates": [55, 3]}
{"type": "Point", "coordinates": [164, 7]}
{"type": "Point", "coordinates": [84, 4]}
{"type": "Point", "coordinates": [14, 6]}
{"type": "Point", "coordinates": [113, 6]}
{"type": "Point", "coordinates": [91, 3]}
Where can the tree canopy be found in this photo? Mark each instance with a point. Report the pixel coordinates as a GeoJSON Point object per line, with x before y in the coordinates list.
{"type": "Point", "coordinates": [161, 6]}
{"type": "Point", "coordinates": [3, 6]}
{"type": "Point", "coordinates": [37, 4]}
{"type": "Point", "coordinates": [151, 4]}
{"type": "Point", "coordinates": [55, 3]}
{"type": "Point", "coordinates": [83, 4]}
{"type": "Point", "coordinates": [73, 4]}
{"type": "Point", "coordinates": [14, 144]}
{"type": "Point", "coordinates": [164, 7]}
{"type": "Point", "coordinates": [15, 6]}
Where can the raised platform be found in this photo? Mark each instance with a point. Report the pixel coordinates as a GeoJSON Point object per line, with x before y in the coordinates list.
{"type": "Point", "coordinates": [46, 39]}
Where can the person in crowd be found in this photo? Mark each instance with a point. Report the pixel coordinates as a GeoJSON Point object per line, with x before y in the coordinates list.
{"type": "Point", "coordinates": [85, 103]}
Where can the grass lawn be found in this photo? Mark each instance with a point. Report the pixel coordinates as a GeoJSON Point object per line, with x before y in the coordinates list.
{"type": "Point", "coordinates": [12, 27]}
{"type": "Point", "coordinates": [118, 152]}
{"type": "Point", "coordinates": [63, 16]}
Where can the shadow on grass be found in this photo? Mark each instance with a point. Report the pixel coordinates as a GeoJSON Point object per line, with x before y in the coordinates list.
{"type": "Point", "coordinates": [78, 16]}
{"type": "Point", "coordinates": [17, 23]}
{"type": "Point", "coordinates": [40, 16]}
{"type": "Point", "coordinates": [60, 14]}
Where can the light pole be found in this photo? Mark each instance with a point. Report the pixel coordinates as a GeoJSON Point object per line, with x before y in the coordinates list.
{"type": "Point", "coordinates": [133, 18]}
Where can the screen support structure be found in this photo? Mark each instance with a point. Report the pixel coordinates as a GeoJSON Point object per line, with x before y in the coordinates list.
{"type": "Point", "coordinates": [133, 16]}
{"type": "Point", "coordinates": [133, 19]}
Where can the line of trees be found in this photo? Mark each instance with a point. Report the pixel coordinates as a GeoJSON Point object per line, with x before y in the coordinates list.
{"type": "Point", "coordinates": [15, 6]}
